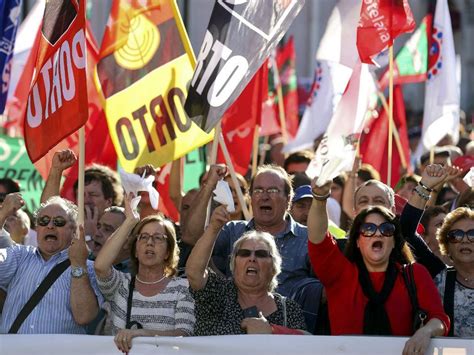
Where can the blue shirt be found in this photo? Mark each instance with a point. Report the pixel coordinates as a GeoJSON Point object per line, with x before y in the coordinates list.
{"type": "Point", "coordinates": [292, 244]}
{"type": "Point", "coordinates": [22, 269]}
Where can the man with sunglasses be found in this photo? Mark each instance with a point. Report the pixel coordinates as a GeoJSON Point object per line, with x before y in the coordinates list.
{"type": "Point", "coordinates": [73, 298]}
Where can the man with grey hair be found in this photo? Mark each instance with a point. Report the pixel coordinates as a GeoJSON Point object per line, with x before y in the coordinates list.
{"type": "Point", "coordinates": [74, 299]}
{"type": "Point", "coordinates": [271, 193]}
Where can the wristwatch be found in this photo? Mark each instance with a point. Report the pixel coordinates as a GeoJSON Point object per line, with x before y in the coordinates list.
{"type": "Point", "coordinates": [77, 272]}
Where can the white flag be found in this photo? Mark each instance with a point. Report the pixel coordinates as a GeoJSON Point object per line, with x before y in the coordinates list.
{"type": "Point", "coordinates": [441, 113]}
{"type": "Point", "coordinates": [330, 81]}
{"type": "Point", "coordinates": [345, 127]}
{"type": "Point", "coordinates": [338, 43]}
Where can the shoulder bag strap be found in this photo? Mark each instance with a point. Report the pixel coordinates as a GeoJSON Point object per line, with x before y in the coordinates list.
{"type": "Point", "coordinates": [131, 287]}
{"type": "Point", "coordinates": [38, 294]}
{"type": "Point", "coordinates": [407, 273]}
{"type": "Point", "coordinates": [283, 305]}
{"type": "Point", "coordinates": [448, 300]}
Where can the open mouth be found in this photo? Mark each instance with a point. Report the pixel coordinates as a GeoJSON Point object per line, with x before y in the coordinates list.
{"type": "Point", "coordinates": [377, 245]}
{"type": "Point", "coordinates": [251, 271]}
{"type": "Point", "coordinates": [266, 209]}
{"type": "Point", "coordinates": [50, 237]}
{"type": "Point", "coordinates": [149, 252]}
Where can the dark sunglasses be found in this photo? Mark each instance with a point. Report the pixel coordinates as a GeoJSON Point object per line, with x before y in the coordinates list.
{"type": "Point", "coordinates": [259, 253]}
{"type": "Point", "coordinates": [43, 221]}
{"type": "Point", "coordinates": [457, 235]}
{"type": "Point", "coordinates": [387, 229]}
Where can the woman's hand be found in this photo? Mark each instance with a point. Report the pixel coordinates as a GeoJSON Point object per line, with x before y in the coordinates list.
{"type": "Point", "coordinates": [418, 343]}
{"type": "Point", "coordinates": [124, 337]}
{"type": "Point", "coordinates": [258, 325]}
{"type": "Point", "coordinates": [130, 214]}
{"type": "Point", "coordinates": [219, 217]}
{"type": "Point", "coordinates": [324, 190]}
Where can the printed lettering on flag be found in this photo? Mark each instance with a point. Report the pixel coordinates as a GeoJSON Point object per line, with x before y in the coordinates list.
{"type": "Point", "coordinates": [381, 21]}
{"type": "Point", "coordinates": [145, 66]}
{"type": "Point", "coordinates": [57, 102]}
{"type": "Point", "coordinates": [15, 164]}
{"type": "Point", "coordinates": [240, 36]}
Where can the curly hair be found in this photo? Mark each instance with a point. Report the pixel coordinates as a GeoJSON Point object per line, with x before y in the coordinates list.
{"type": "Point", "coordinates": [401, 253]}
{"type": "Point", "coordinates": [171, 262]}
{"type": "Point", "coordinates": [451, 218]}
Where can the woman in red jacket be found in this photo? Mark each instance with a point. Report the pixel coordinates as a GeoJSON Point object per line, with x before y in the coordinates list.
{"type": "Point", "coordinates": [366, 290]}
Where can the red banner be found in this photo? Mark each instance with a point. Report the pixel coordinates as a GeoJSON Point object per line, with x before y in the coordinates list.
{"type": "Point", "coordinates": [57, 101]}
{"type": "Point", "coordinates": [381, 21]}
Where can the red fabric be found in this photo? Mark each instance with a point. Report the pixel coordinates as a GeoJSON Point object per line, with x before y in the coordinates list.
{"type": "Point", "coordinates": [381, 21]}
{"type": "Point", "coordinates": [279, 329]}
{"type": "Point", "coordinates": [374, 144]}
{"type": "Point", "coordinates": [240, 120]}
{"type": "Point", "coordinates": [346, 314]}
{"type": "Point", "coordinates": [286, 62]}
{"type": "Point", "coordinates": [57, 103]}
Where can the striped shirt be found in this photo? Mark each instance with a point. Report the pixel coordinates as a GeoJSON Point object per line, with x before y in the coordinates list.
{"type": "Point", "coordinates": [169, 310]}
{"type": "Point", "coordinates": [22, 269]}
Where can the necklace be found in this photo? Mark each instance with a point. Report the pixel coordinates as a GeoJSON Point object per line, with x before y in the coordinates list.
{"type": "Point", "coordinates": [465, 279]}
{"type": "Point", "coordinates": [150, 282]}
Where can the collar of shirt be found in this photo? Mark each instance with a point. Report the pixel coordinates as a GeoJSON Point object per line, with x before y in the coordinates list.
{"type": "Point", "coordinates": [56, 258]}
{"type": "Point", "coordinates": [292, 228]}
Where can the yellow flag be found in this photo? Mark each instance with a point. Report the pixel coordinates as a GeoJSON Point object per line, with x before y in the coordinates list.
{"type": "Point", "coordinates": [146, 62]}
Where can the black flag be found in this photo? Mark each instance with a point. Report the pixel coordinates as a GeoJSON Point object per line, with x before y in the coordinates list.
{"type": "Point", "coordinates": [240, 36]}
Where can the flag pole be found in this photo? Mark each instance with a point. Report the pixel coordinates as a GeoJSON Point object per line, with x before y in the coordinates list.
{"type": "Point", "coordinates": [234, 178]}
{"type": "Point", "coordinates": [80, 187]}
{"type": "Point", "coordinates": [396, 135]}
{"type": "Point", "coordinates": [255, 149]}
{"type": "Point", "coordinates": [215, 144]}
{"type": "Point", "coordinates": [281, 106]}
{"type": "Point", "coordinates": [263, 150]}
{"type": "Point", "coordinates": [390, 116]}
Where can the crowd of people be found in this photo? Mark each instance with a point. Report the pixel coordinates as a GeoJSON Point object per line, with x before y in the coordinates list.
{"type": "Point", "coordinates": [349, 257]}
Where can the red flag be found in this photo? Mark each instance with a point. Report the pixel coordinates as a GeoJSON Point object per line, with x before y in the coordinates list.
{"type": "Point", "coordinates": [238, 124]}
{"type": "Point", "coordinates": [166, 205]}
{"type": "Point", "coordinates": [381, 21]}
{"type": "Point", "coordinates": [374, 144]}
{"type": "Point", "coordinates": [57, 102]}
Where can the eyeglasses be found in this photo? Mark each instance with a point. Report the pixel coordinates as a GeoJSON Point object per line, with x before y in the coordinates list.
{"type": "Point", "coordinates": [259, 253]}
{"type": "Point", "coordinates": [43, 221]}
{"type": "Point", "coordinates": [156, 238]}
{"type": "Point", "coordinates": [457, 235]}
{"type": "Point", "coordinates": [272, 191]}
{"type": "Point", "coordinates": [368, 230]}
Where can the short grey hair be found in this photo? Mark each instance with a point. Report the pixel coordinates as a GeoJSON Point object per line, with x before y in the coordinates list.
{"type": "Point", "coordinates": [388, 190]}
{"type": "Point", "coordinates": [269, 241]}
{"type": "Point", "coordinates": [70, 208]}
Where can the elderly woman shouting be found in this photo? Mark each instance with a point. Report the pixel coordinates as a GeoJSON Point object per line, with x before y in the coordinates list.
{"type": "Point", "coordinates": [372, 272]}
{"type": "Point", "coordinates": [245, 304]}
{"type": "Point", "coordinates": [151, 299]}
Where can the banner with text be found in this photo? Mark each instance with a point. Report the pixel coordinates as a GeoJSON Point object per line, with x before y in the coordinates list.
{"type": "Point", "coordinates": [57, 102]}
{"type": "Point", "coordinates": [240, 36]}
{"type": "Point", "coordinates": [145, 64]}
{"type": "Point", "coordinates": [15, 164]}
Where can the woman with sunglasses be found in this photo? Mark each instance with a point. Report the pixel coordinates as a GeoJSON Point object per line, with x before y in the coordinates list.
{"type": "Point", "coordinates": [371, 272]}
{"type": "Point", "coordinates": [456, 284]}
{"type": "Point", "coordinates": [247, 303]}
{"type": "Point", "coordinates": [150, 301]}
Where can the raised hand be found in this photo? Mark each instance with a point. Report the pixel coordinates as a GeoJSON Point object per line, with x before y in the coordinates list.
{"type": "Point", "coordinates": [216, 172]}
{"type": "Point", "coordinates": [12, 203]}
{"type": "Point", "coordinates": [78, 251]}
{"type": "Point", "coordinates": [91, 218]}
{"type": "Point", "coordinates": [219, 217]}
{"type": "Point", "coordinates": [63, 159]}
{"type": "Point", "coordinates": [148, 169]}
{"type": "Point", "coordinates": [322, 191]}
{"type": "Point", "coordinates": [433, 176]}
